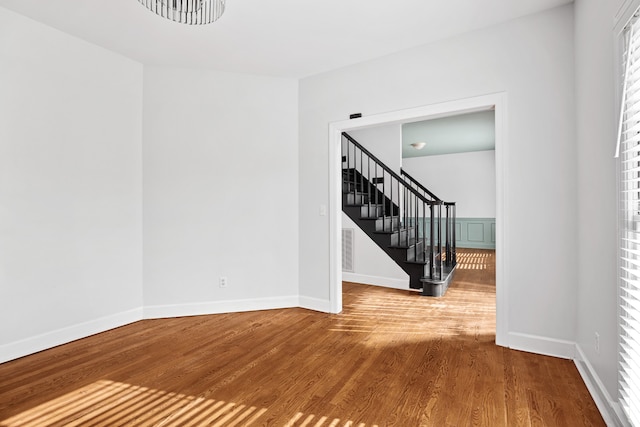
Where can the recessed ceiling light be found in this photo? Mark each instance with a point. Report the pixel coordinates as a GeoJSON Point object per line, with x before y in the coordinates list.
{"type": "Point", "coordinates": [418, 145]}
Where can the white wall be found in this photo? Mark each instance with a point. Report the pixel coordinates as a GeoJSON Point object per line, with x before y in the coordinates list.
{"type": "Point", "coordinates": [70, 187]}
{"type": "Point", "coordinates": [220, 191]}
{"type": "Point", "coordinates": [531, 59]}
{"type": "Point", "coordinates": [384, 142]}
{"type": "Point", "coordinates": [597, 242]}
{"type": "Point", "coordinates": [71, 217]}
{"type": "Point", "coordinates": [371, 265]}
{"type": "Point", "coordinates": [469, 179]}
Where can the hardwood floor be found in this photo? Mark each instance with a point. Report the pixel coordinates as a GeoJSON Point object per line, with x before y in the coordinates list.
{"type": "Point", "coordinates": [392, 358]}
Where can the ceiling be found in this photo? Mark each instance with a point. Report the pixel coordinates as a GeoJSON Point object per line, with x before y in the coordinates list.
{"type": "Point", "coordinates": [455, 134]}
{"type": "Point", "coordinates": [285, 38]}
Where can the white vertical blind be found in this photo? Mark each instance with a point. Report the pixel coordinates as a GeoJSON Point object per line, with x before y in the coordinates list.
{"type": "Point", "coordinates": [629, 153]}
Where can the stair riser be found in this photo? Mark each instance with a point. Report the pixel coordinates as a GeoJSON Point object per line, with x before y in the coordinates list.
{"type": "Point", "coordinates": [387, 224]}
{"type": "Point", "coordinates": [371, 211]}
{"type": "Point", "coordinates": [357, 199]}
{"type": "Point", "coordinates": [415, 251]}
{"type": "Point", "coordinates": [403, 238]}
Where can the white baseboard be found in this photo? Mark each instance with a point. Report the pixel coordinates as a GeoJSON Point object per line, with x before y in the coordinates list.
{"type": "Point", "coordinates": [24, 347]}
{"type": "Point", "coordinates": [386, 282]}
{"type": "Point", "coordinates": [609, 409]}
{"type": "Point", "coordinates": [315, 304]}
{"type": "Point", "coordinates": [218, 307]}
{"type": "Point", "coordinates": [542, 345]}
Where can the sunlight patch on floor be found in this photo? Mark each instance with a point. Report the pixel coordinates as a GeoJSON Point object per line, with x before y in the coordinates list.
{"type": "Point", "coordinates": [109, 403]}
{"type": "Point", "coordinates": [381, 316]}
{"type": "Point", "coordinates": [313, 421]}
{"type": "Point", "coordinates": [474, 260]}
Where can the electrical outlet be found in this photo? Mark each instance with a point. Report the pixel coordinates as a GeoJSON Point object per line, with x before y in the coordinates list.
{"type": "Point", "coordinates": [223, 282]}
{"type": "Point", "coordinates": [596, 343]}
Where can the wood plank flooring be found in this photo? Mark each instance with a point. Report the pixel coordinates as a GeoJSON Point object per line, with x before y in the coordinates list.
{"type": "Point", "coordinates": [392, 358]}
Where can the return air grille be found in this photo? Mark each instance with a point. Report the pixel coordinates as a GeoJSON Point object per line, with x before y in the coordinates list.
{"type": "Point", "coordinates": [347, 249]}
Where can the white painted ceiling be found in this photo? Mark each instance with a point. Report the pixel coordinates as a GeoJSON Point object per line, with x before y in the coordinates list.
{"type": "Point", "coordinates": [448, 135]}
{"type": "Point", "coordinates": [287, 38]}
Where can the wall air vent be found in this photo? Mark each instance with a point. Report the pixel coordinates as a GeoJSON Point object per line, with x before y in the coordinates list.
{"type": "Point", "coordinates": [347, 249]}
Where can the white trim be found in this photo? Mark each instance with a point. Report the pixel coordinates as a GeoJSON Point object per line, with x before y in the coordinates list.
{"type": "Point", "coordinates": [66, 335]}
{"type": "Point", "coordinates": [542, 345]}
{"type": "Point", "coordinates": [385, 282]}
{"type": "Point", "coordinates": [479, 103]}
{"type": "Point", "coordinates": [219, 307]}
{"type": "Point", "coordinates": [502, 219]}
{"type": "Point", "coordinates": [607, 407]}
{"type": "Point", "coordinates": [315, 304]}
{"type": "Point", "coordinates": [335, 217]}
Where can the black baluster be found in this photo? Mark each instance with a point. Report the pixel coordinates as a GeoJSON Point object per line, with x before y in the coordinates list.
{"type": "Point", "coordinates": [352, 174]}
{"type": "Point", "coordinates": [415, 231]}
{"type": "Point", "coordinates": [406, 215]}
{"type": "Point", "coordinates": [424, 230]}
{"type": "Point", "coordinates": [369, 186]}
{"type": "Point", "coordinates": [376, 191]}
{"type": "Point", "coordinates": [440, 236]}
{"type": "Point", "coordinates": [431, 241]}
{"type": "Point", "coordinates": [447, 237]}
{"type": "Point", "coordinates": [361, 173]}
{"type": "Point", "coordinates": [453, 240]}
{"type": "Point", "coordinates": [384, 199]}
{"type": "Point", "coordinates": [398, 210]}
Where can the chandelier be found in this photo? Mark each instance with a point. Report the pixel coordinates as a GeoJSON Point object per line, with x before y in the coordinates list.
{"type": "Point", "coordinates": [192, 12]}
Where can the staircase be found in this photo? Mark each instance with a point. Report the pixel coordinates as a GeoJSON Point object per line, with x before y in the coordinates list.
{"type": "Point", "coordinates": [413, 226]}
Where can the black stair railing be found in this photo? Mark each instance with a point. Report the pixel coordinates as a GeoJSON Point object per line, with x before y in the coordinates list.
{"type": "Point", "coordinates": [450, 218]}
{"type": "Point", "coordinates": [412, 182]}
{"type": "Point", "coordinates": [405, 206]}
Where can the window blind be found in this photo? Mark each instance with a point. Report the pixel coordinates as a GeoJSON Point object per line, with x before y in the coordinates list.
{"type": "Point", "coordinates": [629, 155]}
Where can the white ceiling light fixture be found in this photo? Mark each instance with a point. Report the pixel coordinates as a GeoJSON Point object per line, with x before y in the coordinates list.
{"type": "Point", "coordinates": [192, 12]}
{"type": "Point", "coordinates": [418, 145]}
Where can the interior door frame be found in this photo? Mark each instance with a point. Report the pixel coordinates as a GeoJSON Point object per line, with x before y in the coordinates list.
{"type": "Point", "coordinates": [496, 101]}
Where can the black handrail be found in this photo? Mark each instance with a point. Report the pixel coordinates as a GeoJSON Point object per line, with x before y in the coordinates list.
{"type": "Point", "coordinates": [420, 186]}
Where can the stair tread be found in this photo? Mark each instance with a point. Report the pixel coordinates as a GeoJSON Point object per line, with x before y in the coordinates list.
{"type": "Point", "coordinates": [391, 232]}
{"type": "Point", "coordinates": [406, 245]}
{"type": "Point", "coordinates": [417, 262]}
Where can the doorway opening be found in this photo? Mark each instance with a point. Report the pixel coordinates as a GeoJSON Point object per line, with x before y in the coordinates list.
{"type": "Point", "coordinates": [498, 102]}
